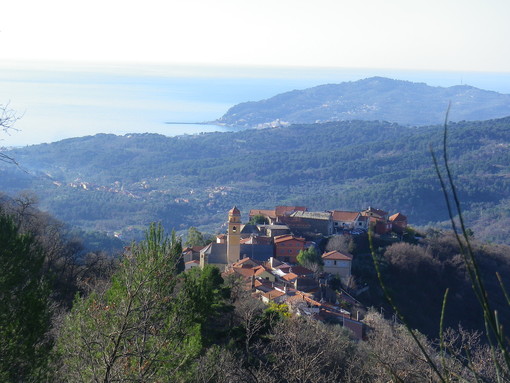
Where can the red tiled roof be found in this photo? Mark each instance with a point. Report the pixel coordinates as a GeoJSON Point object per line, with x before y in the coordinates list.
{"type": "Point", "coordinates": [281, 210]}
{"type": "Point", "coordinates": [245, 262]}
{"type": "Point", "coordinates": [273, 294]}
{"type": "Point", "coordinates": [335, 255]}
{"type": "Point", "coordinates": [375, 211]}
{"type": "Point", "coordinates": [244, 271]}
{"type": "Point", "coordinates": [259, 270]}
{"type": "Point", "coordinates": [290, 276]}
{"type": "Point", "coordinates": [287, 237]}
{"type": "Point", "coordinates": [264, 212]}
{"type": "Point", "coordinates": [301, 270]}
{"type": "Point", "coordinates": [344, 215]}
{"type": "Point", "coordinates": [398, 217]}
{"type": "Point", "coordinates": [246, 259]}
{"type": "Point", "coordinates": [262, 282]}
{"type": "Point", "coordinates": [296, 298]}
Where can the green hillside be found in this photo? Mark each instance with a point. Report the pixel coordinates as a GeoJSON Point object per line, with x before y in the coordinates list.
{"type": "Point", "coordinates": [375, 98]}
{"type": "Point", "coordinates": [120, 183]}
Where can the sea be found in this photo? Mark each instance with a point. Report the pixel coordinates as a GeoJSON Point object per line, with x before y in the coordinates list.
{"type": "Point", "coordinates": [59, 100]}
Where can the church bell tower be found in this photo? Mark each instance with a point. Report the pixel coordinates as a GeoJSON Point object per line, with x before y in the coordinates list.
{"type": "Point", "coordinates": [234, 235]}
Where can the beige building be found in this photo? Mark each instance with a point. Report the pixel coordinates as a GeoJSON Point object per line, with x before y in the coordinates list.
{"type": "Point", "coordinates": [339, 264]}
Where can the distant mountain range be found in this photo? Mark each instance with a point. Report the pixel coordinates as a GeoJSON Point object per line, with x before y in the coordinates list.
{"type": "Point", "coordinates": [375, 98]}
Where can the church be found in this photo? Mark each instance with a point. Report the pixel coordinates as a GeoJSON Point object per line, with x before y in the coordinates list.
{"type": "Point", "coordinates": [235, 245]}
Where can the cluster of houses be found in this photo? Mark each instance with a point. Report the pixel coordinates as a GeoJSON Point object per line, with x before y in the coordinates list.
{"type": "Point", "coordinates": [264, 256]}
{"type": "Point", "coordinates": [312, 223]}
{"type": "Point", "coordinates": [298, 288]}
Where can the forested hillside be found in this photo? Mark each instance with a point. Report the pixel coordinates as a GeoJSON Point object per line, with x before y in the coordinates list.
{"type": "Point", "coordinates": [121, 183]}
{"type": "Point", "coordinates": [375, 98]}
{"type": "Point", "coordinates": [139, 317]}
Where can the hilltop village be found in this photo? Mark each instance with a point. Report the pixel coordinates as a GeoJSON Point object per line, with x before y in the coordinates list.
{"type": "Point", "coordinates": [265, 257]}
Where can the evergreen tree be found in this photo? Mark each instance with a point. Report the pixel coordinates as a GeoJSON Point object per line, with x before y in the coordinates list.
{"type": "Point", "coordinates": [204, 295]}
{"type": "Point", "coordinates": [24, 306]}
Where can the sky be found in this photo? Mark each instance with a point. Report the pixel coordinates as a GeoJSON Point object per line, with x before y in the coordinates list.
{"type": "Point", "coordinates": [457, 35]}
{"type": "Point", "coordinates": [73, 68]}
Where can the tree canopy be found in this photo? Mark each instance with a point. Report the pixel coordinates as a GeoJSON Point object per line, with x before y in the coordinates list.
{"type": "Point", "coordinates": [310, 258]}
{"type": "Point", "coordinates": [24, 305]}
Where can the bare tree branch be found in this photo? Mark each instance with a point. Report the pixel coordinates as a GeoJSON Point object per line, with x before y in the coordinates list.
{"type": "Point", "coordinates": [8, 118]}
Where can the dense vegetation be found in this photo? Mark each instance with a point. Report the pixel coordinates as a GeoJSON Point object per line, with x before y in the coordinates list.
{"type": "Point", "coordinates": [418, 274]}
{"type": "Point", "coordinates": [142, 319]}
{"type": "Point", "coordinates": [122, 183]}
{"type": "Point", "coordinates": [375, 98]}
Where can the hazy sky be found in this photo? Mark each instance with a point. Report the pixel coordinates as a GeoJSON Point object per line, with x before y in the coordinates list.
{"type": "Point", "coordinates": [460, 35]}
{"type": "Point", "coordinates": [128, 66]}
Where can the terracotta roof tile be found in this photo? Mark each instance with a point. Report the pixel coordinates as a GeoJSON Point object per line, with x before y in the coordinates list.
{"type": "Point", "coordinates": [300, 270]}
{"type": "Point", "coordinates": [287, 237]}
{"type": "Point", "coordinates": [398, 217]}
{"type": "Point", "coordinates": [259, 283]}
{"type": "Point", "coordinates": [282, 210]}
{"type": "Point", "coordinates": [259, 270]}
{"type": "Point", "coordinates": [264, 212]}
{"type": "Point", "coordinates": [336, 255]}
{"type": "Point", "coordinates": [245, 272]}
{"type": "Point", "coordinates": [382, 213]}
{"type": "Point", "coordinates": [246, 262]}
{"type": "Point", "coordinates": [289, 277]}
{"type": "Point", "coordinates": [345, 216]}
{"type": "Point", "coordinates": [273, 294]}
